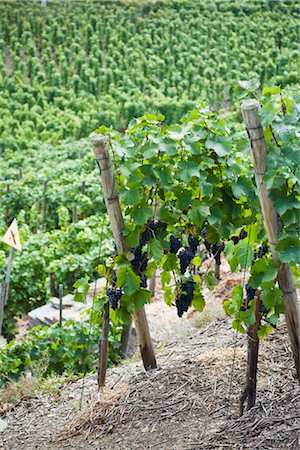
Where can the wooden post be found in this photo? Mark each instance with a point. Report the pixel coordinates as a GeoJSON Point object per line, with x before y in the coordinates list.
{"type": "Point", "coordinates": [249, 392]}
{"type": "Point", "coordinates": [103, 348]}
{"type": "Point", "coordinates": [74, 214]}
{"type": "Point", "coordinates": [152, 284]}
{"type": "Point", "coordinates": [5, 286]}
{"type": "Point", "coordinates": [1, 305]}
{"type": "Point", "coordinates": [104, 164]}
{"type": "Point", "coordinates": [125, 338]}
{"type": "Point", "coordinates": [52, 284]}
{"type": "Point", "coordinates": [44, 201]}
{"type": "Point", "coordinates": [7, 203]}
{"type": "Point", "coordinates": [60, 294]}
{"type": "Point", "coordinates": [286, 281]}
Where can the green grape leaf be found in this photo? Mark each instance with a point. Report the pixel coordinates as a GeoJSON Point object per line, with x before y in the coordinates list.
{"type": "Point", "coordinates": [210, 280]}
{"type": "Point", "coordinates": [187, 170]}
{"type": "Point", "coordinates": [184, 199]}
{"type": "Point", "coordinates": [128, 280]}
{"type": "Point", "coordinates": [82, 288]}
{"type": "Point", "coordinates": [142, 214]}
{"type": "Point", "coordinates": [244, 254]}
{"type": "Point", "coordinates": [132, 197]}
{"type": "Point", "coordinates": [249, 85]}
{"type": "Point", "coordinates": [264, 331]}
{"type": "Point", "coordinates": [198, 301]}
{"type": "Point", "coordinates": [155, 249]}
{"type": "Point", "coordinates": [141, 297]}
{"type": "Point", "coordinates": [198, 213]}
{"type": "Point", "coordinates": [220, 144]}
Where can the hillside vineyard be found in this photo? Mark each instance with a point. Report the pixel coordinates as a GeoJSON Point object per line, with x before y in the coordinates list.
{"type": "Point", "coordinates": [71, 66]}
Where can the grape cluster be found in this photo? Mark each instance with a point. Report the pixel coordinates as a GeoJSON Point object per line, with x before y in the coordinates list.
{"type": "Point", "coordinates": [214, 250]}
{"type": "Point", "coordinates": [140, 260]}
{"type": "Point", "coordinates": [175, 244]}
{"type": "Point", "coordinates": [185, 256]}
{"type": "Point", "coordinates": [139, 265]}
{"type": "Point", "coordinates": [185, 296]}
{"type": "Point", "coordinates": [250, 294]}
{"type": "Point", "coordinates": [236, 239]}
{"type": "Point", "coordinates": [193, 243]}
{"type": "Point", "coordinates": [114, 295]}
{"type": "Point", "coordinates": [152, 229]}
{"type": "Point", "coordinates": [262, 251]}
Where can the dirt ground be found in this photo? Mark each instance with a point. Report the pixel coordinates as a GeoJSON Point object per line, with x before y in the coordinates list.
{"type": "Point", "coordinates": [190, 402]}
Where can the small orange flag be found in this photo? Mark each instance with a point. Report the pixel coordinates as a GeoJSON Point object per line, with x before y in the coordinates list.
{"type": "Point", "coordinates": [12, 236]}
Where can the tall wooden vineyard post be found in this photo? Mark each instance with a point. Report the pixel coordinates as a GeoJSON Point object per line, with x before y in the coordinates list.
{"type": "Point", "coordinates": [4, 288]}
{"type": "Point", "coordinates": [249, 392]}
{"type": "Point", "coordinates": [102, 157]}
{"type": "Point", "coordinates": [286, 281]}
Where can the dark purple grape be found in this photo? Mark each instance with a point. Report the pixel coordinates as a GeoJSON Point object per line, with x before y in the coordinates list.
{"type": "Point", "coordinates": [114, 295]}
{"type": "Point", "coordinates": [193, 243]}
{"type": "Point", "coordinates": [185, 257]}
{"type": "Point", "coordinates": [185, 296]}
{"type": "Point", "coordinates": [235, 239]}
{"type": "Point", "coordinates": [263, 309]}
{"type": "Point", "coordinates": [243, 234]}
{"type": "Point", "coordinates": [145, 237]}
{"type": "Point", "coordinates": [175, 244]}
{"type": "Point", "coordinates": [263, 250]}
{"type": "Point", "coordinates": [140, 260]}
{"type": "Point", "coordinates": [250, 291]}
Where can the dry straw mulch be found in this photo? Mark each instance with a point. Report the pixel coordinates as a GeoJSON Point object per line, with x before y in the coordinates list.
{"type": "Point", "coordinates": [193, 402]}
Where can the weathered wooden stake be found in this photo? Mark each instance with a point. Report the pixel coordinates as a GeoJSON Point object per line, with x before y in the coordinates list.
{"type": "Point", "coordinates": [74, 214]}
{"type": "Point", "coordinates": [249, 392]}
{"type": "Point", "coordinates": [60, 294]}
{"type": "Point", "coordinates": [7, 203]}
{"type": "Point", "coordinates": [103, 348]}
{"type": "Point", "coordinates": [286, 281]}
{"type": "Point", "coordinates": [5, 286]}
{"type": "Point", "coordinates": [104, 164]}
{"type": "Point", "coordinates": [52, 284]}
{"type": "Point", "coordinates": [152, 284]}
{"type": "Point", "coordinates": [125, 338]}
{"type": "Point", "coordinates": [45, 183]}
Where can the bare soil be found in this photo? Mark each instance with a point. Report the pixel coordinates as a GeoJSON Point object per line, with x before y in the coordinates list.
{"type": "Point", "coordinates": [190, 402]}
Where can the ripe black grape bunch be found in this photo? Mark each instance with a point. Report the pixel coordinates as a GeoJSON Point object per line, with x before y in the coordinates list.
{"type": "Point", "coordinates": [186, 253]}
{"type": "Point", "coordinates": [214, 250]}
{"type": "Point", "coordinates": [152, 229]}
{"type": "Point", "coordinates": [184, 295]}
{"type": "Point", "coordinates": [113, 293]}
{"type": "Point", "coordinates": [140, 261]}
{"type": "Point", "coordinates": [236, 239]}
{"type": "Point", "coordinates": [250, 295]}
{"type": "Point", "coordinates": [260, 252]}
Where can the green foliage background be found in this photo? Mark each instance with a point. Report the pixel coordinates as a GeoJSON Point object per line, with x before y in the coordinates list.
{"type": "Point", "coordinates": [69, 67]}
{"type": "Point", "coordinates": [75, 66]}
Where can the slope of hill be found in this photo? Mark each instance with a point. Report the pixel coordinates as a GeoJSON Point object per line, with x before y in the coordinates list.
{"type": "Point", "coordinates": [73, 65]}
{"type": "Point", "coordinates": [191, 401]}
